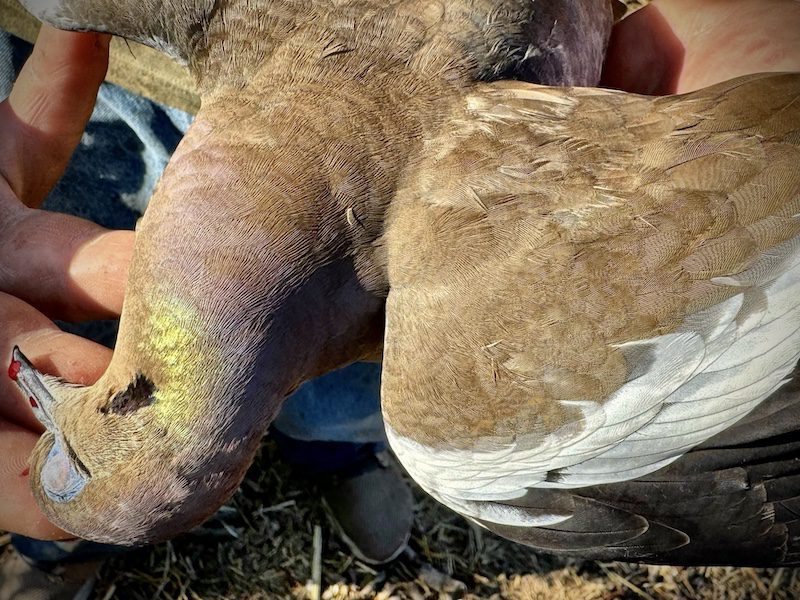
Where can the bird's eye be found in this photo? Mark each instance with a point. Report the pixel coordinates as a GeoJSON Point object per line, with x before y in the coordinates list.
{"type": "Point", "coordinates": [63, 475]}
{"type": "Point", "coordinates": [138, 394]}
{"type": "Point", "coordinates": [73, 457]}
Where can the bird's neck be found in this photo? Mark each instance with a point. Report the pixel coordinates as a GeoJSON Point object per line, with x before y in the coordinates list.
{"type": "Point", "coordinates": [258, 263]}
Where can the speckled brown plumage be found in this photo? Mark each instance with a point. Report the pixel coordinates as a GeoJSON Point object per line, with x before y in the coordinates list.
{"type": "Point", "coordinates": [581, 215]}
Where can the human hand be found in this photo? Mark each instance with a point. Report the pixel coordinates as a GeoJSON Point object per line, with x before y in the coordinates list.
{"type": "Point", "coordinates": [51, 265]}
{"type": "Point", "coordinates": [676, 46]}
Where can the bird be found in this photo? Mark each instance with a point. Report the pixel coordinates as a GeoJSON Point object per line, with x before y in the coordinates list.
{"type": "Point", "coordinates": [586, 299]}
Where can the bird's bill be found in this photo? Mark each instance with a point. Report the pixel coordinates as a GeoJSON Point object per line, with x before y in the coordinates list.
{"type": "Point", "coordinates": [32, 384]}
{"type": "Point", "coordinates": [60, 476]}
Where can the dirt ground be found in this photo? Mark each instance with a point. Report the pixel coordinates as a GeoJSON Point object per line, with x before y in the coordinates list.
{"type": "Point", "coordinates": [262, 545]}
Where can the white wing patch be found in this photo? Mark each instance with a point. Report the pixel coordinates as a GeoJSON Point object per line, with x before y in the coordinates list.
{"type": "Point", "coordinates": [700, 380]}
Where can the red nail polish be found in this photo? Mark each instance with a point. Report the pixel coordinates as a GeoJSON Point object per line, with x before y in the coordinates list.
{"type": "Point", "coordinates": [32, 400]}
{"type": "Point", "coordinates": [13, 369]}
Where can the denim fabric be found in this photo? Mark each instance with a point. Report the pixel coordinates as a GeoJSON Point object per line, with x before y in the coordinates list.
{"type": "Point", "coordinates": [48, 555]}
{"type": "Point", "coordinates": [126, 146]}
{"type": "Point", "coordinates": [342, 406]}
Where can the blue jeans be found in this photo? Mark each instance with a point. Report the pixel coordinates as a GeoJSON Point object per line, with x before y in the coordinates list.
{"type": "Point", "coordinates": [110, 178]}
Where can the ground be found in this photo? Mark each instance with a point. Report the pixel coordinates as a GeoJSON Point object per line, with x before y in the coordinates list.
{"type": "Point", "coordinates": [262, 545]}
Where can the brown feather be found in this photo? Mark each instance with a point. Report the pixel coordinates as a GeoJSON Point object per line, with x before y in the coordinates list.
{"type": "Point", "coordinates": [624, 210]}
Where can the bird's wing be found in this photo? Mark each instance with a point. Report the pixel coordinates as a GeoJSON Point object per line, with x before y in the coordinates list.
{"type": "Point", "coordinates": [586, 284]}
{"type": "Point", "coordinates": [735, 500]}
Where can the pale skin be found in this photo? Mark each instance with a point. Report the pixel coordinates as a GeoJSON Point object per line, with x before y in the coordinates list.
{"type": "Point", "coordinates": [56, 266]}
{"type": "Point", "coordinates": [53, 266]}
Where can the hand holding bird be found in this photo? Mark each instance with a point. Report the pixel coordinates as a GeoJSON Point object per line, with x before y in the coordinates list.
{"type": "Point", "coordinates": [564, 416]}
{"type": "Point", "coordinates": [53, 265]}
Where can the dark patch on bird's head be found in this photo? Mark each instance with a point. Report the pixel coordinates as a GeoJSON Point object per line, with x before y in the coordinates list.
{"type": "Point", "coordinates": [138, 394]}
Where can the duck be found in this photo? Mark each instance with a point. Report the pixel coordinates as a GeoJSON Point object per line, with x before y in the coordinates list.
{"type": "Point", "coordinates": [586, 299]}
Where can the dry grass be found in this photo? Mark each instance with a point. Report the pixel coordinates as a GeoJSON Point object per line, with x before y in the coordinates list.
{"type": "Point", "coordinates": [261, 546]}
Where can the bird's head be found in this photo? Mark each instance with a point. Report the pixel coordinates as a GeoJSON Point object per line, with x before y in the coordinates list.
{"type": "Point", "coordinates": [133, 458]}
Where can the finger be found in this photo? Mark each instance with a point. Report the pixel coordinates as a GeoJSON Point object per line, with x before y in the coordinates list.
{"type": "Point", "coordinates": [69, 268]}
{"type": "Point", "coordinates": [725, 40]}
{"type": "Point", "coordinates": [644, 54]}
{"type": "Point", "coordinates": [677, 46]}
{"type": "Point", "coordinates": [18, 510]}
{"type": "Point", "coordinates": [44, 117]}
{"type": "Point", "coordinates": [53, 351]}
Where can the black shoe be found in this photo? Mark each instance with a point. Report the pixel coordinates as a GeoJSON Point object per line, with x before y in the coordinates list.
{"type": "Point", "coordinates": [23, 580]}
{"type": "Point", "coordinates": [372, 508]}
